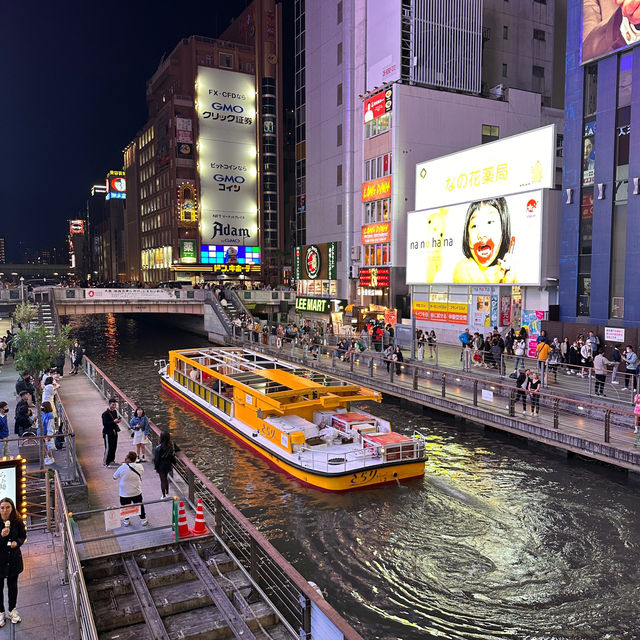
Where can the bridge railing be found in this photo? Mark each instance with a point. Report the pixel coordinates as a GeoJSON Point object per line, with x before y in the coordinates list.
{"type": "Point", "coordinates": [495, 396]}
{"type": "Point", "coordinates": [290, 594]}
{"type": "Point", "coordinates": [128, 295]}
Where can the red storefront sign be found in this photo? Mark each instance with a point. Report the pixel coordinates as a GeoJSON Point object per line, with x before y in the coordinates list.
{"type": "Point", "coordinates": [376, 189]}
{"type": "Point", "coordinates": [374, 277]}
{"type": "Point", "coordinates": [376, 233]}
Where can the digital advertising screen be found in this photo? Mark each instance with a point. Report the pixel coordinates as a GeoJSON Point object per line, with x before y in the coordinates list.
{"type": "Point", "coordinates": [229, 254]}
{"type": "Point", "coordinates": [227, 157]}
{"type": "Point", "coordinates": [608, 26]}
{"type": "Point", "coordinates": [494, 240]}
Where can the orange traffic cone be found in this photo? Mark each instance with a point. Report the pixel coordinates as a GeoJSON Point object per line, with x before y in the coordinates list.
{"type": "Point", "coordinates": [183, 527]}
{"type": "Point", "coordinates": [199, 527]}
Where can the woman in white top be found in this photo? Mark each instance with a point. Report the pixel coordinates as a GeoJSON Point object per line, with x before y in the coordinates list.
{"type": "Point", "coordinates": [129, 473]}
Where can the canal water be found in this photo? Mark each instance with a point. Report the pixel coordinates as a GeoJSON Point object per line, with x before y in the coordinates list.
{"type": "Point", "coordinates": [495, 542]}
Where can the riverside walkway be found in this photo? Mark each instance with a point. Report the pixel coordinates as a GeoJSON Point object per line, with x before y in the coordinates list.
{"type": "Point", "coordinates": [569, 421]}
{"type": "Point", "coordinates": [44, 601]}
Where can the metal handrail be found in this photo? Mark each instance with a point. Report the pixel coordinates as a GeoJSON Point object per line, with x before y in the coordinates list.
{"type": "Point", "coordinates": [373, 360]}
{"type": "Point", "coordinates": [73, 568]}
{"type": "Point", "coordinates": [291, 594]}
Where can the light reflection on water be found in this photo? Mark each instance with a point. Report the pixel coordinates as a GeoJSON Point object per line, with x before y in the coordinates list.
{"type": "Point", "coordinates": [496, 541]}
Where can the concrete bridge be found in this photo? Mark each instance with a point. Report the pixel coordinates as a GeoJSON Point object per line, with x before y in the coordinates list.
{"type": "Point", "coordinates": [73, 302]}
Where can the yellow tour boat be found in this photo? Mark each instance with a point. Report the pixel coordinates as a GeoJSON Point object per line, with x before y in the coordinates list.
{"type": "Point", "coordinates": [298, 419]}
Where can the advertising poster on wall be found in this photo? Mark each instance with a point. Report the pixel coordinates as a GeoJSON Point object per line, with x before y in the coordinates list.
{"type": "Point", "coordinates": [449, 312]}
{"type": "Point", "coordinates": [532, 322]}
{"type": "Point", "coordinates": [608, 26]}
{"type": "Point", "coordinates": [490, 241]}
{"type": "Point", "coordinates": [588, 153]}
{"type": "Point", "coordinates": [227, 157]}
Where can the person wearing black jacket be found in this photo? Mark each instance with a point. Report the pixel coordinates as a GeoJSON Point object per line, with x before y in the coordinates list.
{"type": "Point", "coordinates": [76, 357]}
{"type": "Point", "coordinates": [25, 383]}
{"type": "Point", "coordinates": [23, 414]}
{"type": "Point", "coordinates": [163, 460]}
{"type": "Point", "coordinates": [522, 384]}
{"type": "Point", "coordinates": [12, 537]}
{"type": "Point", "coordinates": [398, 358]}
{"type": "Point", "coordinates": [60, 361]}
{"type": "Point", "coordinates": [110, 431]}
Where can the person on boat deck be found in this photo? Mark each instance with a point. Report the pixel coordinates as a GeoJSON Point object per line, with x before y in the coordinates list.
{"type": "Point", "coordinates": [193, 374]}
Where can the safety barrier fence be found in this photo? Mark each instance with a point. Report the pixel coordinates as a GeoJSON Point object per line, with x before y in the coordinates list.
{"type": "Point", "coordinates": [454, 385]}
{"type": "Point", "coordinates": [584, 382]}
{"type": "Point", "coordinates": [73, 569]}
{"type": "Point", "coordinates": [279, 583]}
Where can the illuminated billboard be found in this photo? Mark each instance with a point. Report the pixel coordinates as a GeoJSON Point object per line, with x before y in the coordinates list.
{"type": "Point", "coordinates": [226, 254]}
{"type": "Point", "coordinates": [376, 189]}
{"type": "Point", "coordinates": [13, 482]}
{"type": "Point", "coordinates": [317, 262]}
{"type": "Point", "coordinates": [520, 163]}
{"type": "Point", "coordinates": [494, 240]}
{"type": "Point", "coordinates": [227, 158]}
{"type": "Point", "coordinates": [116, 185]}
{"type": "Point", "coordinates": [76, 227]}
{"type": "Point", "coordinates": [378, 104]}
{"type": "Point", "coordinates": [374, 277]}
{"type": "Point", "coordinates": [608, 26]}
{"type": "Point", "coordinates": [376, 232]}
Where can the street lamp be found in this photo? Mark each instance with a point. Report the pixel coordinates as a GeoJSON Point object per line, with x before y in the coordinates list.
{"type": "Point", "coordinates": [21, 288]}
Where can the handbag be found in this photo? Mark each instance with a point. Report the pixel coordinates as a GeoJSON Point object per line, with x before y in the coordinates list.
{"type": "Point", "coordinates": [477, 357]}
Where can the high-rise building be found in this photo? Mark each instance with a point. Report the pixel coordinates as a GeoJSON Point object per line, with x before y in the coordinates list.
{"type": "Point", "coordinates": [600, 255]}
{"type": "Point", "coordinates": [395, 83]}
{"type": "Point", "coordinates": [3, 256]}
{"type": "Point", "coordinates": [521, 42]}
{"type": "Point", "coordinates": [206, 168]}
{"type": "Point", "coordinates": [96, 223]}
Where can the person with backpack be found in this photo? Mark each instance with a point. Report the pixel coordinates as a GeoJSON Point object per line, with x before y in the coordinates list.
{"type": "Point", "coordinates": [555, 358]}
{"type": "Point", "coordinates": [164, 458]}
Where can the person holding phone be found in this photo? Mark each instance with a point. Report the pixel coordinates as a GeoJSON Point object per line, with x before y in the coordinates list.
{"type": "Point", "coordinates": [487, 244]}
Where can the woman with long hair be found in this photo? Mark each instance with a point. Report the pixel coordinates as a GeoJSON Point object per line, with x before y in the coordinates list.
{"type": "Point", "coordinates": [163, 460]}
{"type": "Point", "coordinates": [139, 426]}
{"type": "Point", "coordinates": [12, 536]}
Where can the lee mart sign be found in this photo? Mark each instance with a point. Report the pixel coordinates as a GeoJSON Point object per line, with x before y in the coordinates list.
{"type": "Point", "coordinates": [320, 305]}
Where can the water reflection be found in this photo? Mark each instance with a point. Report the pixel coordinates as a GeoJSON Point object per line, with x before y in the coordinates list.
{"type": "Point", "coordinates": [495, 542]}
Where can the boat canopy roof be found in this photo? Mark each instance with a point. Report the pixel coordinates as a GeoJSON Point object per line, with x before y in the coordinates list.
{"type": "Point", "coordinates": [260, 372]}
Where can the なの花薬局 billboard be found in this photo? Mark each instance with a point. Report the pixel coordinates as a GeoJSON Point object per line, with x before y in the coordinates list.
{"type": "Point", "coordinates": [227, 158]}
{"type": "Point", "coordinates": [516, 164]}
{"type": "Point", "coordinates": [494, 240]}
{"type": "Point", "coordinates": [608, 26]}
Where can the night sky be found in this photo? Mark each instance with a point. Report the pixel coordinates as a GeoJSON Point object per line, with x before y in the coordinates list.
{"type": "Point", "coordinates": [73, 96]}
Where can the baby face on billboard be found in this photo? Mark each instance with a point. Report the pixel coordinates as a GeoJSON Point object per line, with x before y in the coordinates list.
{"type": "Point", "coordinates": [485, 234]}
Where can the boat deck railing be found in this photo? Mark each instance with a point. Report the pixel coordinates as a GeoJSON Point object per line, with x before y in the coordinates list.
{"type": "Point", "coordinates": [370, 453]}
